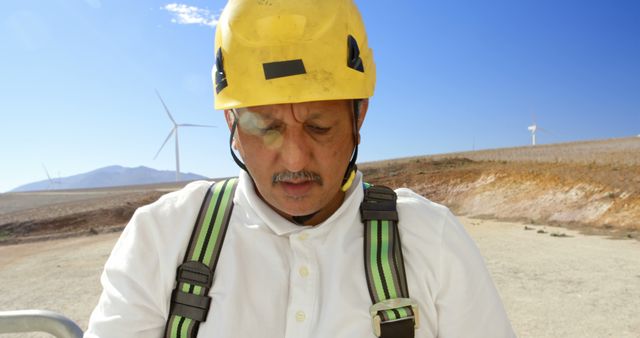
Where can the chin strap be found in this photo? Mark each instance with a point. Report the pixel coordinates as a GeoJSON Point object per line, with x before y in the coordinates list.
{"type": "Point", "coordinates": [233, 132]}
{"type": "Point", "coordinates": [352, 168]}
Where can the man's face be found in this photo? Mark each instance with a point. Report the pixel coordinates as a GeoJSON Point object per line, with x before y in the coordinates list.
{"type": "Point", "coordinates": [297, 153]}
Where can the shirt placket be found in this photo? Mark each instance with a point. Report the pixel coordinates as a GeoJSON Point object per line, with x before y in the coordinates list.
{"type": "Point", "coordinates": [303, 282]}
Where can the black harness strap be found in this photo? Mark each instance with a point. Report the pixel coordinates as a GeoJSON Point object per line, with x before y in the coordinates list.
{"type": "Point", "coordinates": [190, 299]}
{"type": "Point", "coordinates": [393, 313]}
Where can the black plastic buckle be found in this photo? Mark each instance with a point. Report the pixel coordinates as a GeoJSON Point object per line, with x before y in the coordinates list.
{"type": "Point", "coordinates": [195, 273]}
{"type": "Point", "coordinates": [379, 204]}
{"type": "Point", "coordinates": [190, 305]}
{"type": "Point", "coordinates": [187, 304]}
{"type": "Point", "coordinates": [402, 328]}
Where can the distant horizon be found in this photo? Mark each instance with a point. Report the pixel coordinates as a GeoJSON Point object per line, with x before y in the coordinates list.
{"type": "Point", "coordinates": [359, 162]}
{"type": "Point", "coordinates": [79, 81]}
{"type": "Point", "coordinates": [108, 176]}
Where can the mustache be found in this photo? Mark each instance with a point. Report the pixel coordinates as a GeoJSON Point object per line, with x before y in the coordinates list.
{"type": "Point", "coordinates": [287, 176]}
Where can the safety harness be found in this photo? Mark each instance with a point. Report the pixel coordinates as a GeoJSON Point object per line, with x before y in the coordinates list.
{"type": "Point", "coordinates": [190, 298]}
{"type": "Point", "coordinates": [393, 314]}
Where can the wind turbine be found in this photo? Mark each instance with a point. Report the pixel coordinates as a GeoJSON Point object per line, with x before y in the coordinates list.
{"type": "Point", "coordinates": [533, 129]}
{"type": "Point", "coordinates": [174, 131]}
{"type": "Point", "coordinates": [52, 182]}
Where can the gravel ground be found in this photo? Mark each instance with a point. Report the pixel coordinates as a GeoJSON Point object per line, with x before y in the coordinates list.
{"type": "Point", "coordinates": [554, 286]}
{"type": "Point", "coordinates": [57, 275]}
{"type": "Point", "coordinates": [574, 286]}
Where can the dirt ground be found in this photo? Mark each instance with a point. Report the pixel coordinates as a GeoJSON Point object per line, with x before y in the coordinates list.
{"type": "Point", "coordinates": [554, 282]}
{"type": "Point", "coordinates": [557, 286]}
{"type": "Point", "coordinates": [57, 275]}
{"type": "Point", "coordinates": [44, 215]}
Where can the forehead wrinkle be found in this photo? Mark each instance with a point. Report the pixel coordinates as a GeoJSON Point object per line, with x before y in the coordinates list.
{"type": "Point", "coordinates": [332, 110]}
{"type": "Point", "coordinates": [310, 114]}
{"type": "Point", "coordinates": [299, 113]}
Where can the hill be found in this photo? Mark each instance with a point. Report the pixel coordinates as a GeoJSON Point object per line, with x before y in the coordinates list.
{"type": "Point", "coordinates": [111, 176]}
{"type": "Point", "coordinates": [590, 186]}
{"type": "Point", "coordinates": [40, 215]}
{"type": "Point", "coordinates": [617, 151]}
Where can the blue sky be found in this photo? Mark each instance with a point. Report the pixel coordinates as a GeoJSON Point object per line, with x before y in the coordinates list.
{"type": "Point", "coordinates": [77, 80]}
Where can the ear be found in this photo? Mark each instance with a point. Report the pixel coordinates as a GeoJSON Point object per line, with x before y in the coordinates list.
{"type": "Point", "coordinates": [364, 106]}
{"type": "Point", "coordinates": [230, 117]}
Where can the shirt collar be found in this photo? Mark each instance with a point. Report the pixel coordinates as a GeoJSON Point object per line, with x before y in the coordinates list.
{"type": "Point", "coordinates": [264, 214]}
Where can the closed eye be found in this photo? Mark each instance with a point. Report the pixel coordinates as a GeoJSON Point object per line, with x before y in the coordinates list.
{"type": "Point", "coordinates": [270, 128]}
{"type": "Point", "coordinates": [317, 129]}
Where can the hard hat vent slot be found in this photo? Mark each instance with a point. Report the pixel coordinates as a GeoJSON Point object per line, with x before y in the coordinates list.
{"type": "Point", "coordinates": [354, 61]}
{"type": "Point", "coordinates": [221, 77]}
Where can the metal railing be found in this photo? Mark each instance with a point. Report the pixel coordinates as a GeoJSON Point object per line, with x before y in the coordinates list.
{"type": "Point", "coordinates": [38, 321]}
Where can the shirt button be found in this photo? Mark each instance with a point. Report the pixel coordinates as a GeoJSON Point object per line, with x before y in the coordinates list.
{"type": "Point", "coordinates": [304, 271]}
{"type": "Point", "coordinates": [300, 316]}
{"type": "Point", "coordinates": [303, 237]}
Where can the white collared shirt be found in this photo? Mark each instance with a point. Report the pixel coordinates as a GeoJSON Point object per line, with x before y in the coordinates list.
{"type": "Point", "coordinates": [276, 279]}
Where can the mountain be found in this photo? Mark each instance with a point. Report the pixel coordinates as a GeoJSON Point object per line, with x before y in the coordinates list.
{"type": "Point", "coordinates": [109, 177]}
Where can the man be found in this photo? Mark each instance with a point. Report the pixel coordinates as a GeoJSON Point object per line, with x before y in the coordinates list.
{"type": "Point", "coordinates": [293, 78]}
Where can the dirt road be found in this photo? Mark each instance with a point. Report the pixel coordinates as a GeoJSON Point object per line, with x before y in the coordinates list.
{"type": "Point", "coordinates": [577, 286]}
{"type": "Point", "coordinates": [58, 275]}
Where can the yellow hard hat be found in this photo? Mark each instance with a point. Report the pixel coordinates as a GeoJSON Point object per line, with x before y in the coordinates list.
{"type": "Point", "coordinates": [289, 51]}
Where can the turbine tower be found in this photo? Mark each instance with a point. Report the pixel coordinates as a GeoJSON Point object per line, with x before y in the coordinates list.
{"type": "Point", "coordinates": [533, 129]}
{"type": "Point", "coordinates": [174, 132]}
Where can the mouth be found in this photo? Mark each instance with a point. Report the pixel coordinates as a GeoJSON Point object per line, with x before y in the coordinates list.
{"type": "Point", "coordinates": [297, 188]}
{"type": "Point", "coordinates": [297, 184]}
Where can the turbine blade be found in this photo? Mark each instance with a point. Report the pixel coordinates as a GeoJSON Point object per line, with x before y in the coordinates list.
{"type": "Point", "coordinates": [195, 125]}
{"type": "Point", "coordinates": [47, 172]}
{"type": "Point", "coordinates": [177, 157]}
{"type": "Point", "coordinates": [165, 142]}
{"type": "Point", "coordinates": [165, 108]}
{"type": "Point", "coordinates": [546, 131]}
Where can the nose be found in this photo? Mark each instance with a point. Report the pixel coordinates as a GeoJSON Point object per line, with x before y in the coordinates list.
{"type": "Point", "coordinates": [295, 152]}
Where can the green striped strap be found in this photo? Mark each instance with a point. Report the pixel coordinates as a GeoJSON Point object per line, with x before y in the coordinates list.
{"type": "Point", "coordinates": [384, 263]}
{"type": "Point", "coordinates": [190, 300]}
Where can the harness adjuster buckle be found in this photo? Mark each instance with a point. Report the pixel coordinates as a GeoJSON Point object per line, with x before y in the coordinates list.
{"type": "Point", "coordinates": [190, 305]}
{"type": "Point", "coordinates": [186, 303]}
{"type": "Point", "coordinates": [195, 273]}
{"type": "Point", "coordinates": [393, 304]}
{"type": "Point", "coordinates": [379, 204]}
